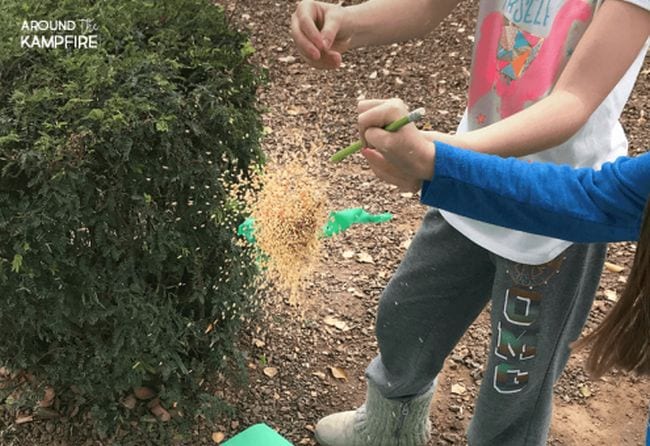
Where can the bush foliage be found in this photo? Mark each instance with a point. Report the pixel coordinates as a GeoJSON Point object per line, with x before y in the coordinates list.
{"type": "Point", "coordinates": [117, 262]}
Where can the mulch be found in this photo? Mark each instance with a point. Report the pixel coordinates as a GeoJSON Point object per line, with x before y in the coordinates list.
{"type": "Point", "coordinates": [308, 361]}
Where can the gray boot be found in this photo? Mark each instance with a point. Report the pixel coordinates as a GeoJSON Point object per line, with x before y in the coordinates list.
{"type": "Point", "coordinates": [379, 422]}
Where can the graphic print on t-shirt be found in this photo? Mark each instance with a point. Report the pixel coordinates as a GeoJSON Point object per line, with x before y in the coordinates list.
{"type": "Point", "coordinates": [496, 93]}
{"type": "Point", "coordinates": [520, 52]}
{"type": "Point", "coordinates": [517, 49]}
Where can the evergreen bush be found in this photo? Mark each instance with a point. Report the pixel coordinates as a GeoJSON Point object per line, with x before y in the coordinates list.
{"type": "Point", "coordinates": [118, 266]}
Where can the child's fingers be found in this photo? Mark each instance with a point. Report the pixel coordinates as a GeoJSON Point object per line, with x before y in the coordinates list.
{"type": "Point", "coordinates": [371, 117]}
{"type": "Point", "coordinates": [366, 104]}
{"type": "Point", "coordinates": [380, 115]}
{"type": "Point", "coordinates": [387, 172]}
{"type": "Point", "coordinates": [305, 46]}
{"type": "Point", "coordinates": [375, 138]}
{"type": "Point", "coordinates": [387, 143]}
{"type": "Point", "coordinates": [312, 42]}
{"type": "Point", "coordinates": [329, 31]}
{"type": "Point", "coordinates": [373, 121]}
{"type": "Point", "coordinates": [373, 156]}
{"type": "Point", "coordinates": [381, 168]}
{"type": "Point", "coordinates": [306, 16]}
{"type": "Point", "coordinates": [330, 59]}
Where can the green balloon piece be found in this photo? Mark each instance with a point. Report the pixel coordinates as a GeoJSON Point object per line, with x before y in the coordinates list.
{"type": "Point", "coordinates": [247, 230]}
{"type": "Point", "coordinates": [337, 222]}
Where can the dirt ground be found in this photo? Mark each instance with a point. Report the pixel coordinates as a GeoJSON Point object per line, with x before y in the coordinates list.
{"type": "Point", "coordinates": [334, 330]}
{"type": "Point", "coordinates": [309, 361]}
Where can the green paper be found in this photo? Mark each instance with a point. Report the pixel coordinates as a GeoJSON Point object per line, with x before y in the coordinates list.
{"type": "Point", "coordinates": [258, 435]}
{"type": "Point", "coordinates": [337, 221]}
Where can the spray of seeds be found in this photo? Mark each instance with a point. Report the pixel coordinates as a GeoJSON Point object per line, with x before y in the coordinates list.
{"type": "Point", "coordinates": [289, 206]}
{"type": "Point", "coordinates": [289, 211]}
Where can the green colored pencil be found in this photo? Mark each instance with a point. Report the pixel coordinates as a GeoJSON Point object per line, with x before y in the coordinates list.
{"type": "Point", "coordinates": [394, 126]}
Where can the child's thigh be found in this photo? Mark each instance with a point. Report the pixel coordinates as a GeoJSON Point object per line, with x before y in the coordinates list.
{"type": "Point", "coordinates": [439, 288]}
{"type": "Point", "coordinates": [537, 311]}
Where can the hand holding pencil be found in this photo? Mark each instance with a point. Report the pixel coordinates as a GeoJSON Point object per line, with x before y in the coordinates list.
{"type": "Point", "coordinates": [394, 126]}
{"type": "Point", "coordinates": [401, 154]}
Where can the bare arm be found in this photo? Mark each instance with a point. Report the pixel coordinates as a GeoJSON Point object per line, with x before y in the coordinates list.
{"type": "Point", "coordinates": [379, 22]}
{"type": "Point", "coordinates": [608, 47]}
{"type": "Point", "coordinates": [323, 31]}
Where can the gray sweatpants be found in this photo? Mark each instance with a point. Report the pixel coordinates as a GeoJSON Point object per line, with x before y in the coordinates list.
{"type": "Point", "coordinates": [442, 284]}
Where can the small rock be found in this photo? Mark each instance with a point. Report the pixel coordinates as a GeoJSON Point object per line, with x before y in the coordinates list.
{"type": "Point", "coordinates": [129, 401]}
{"type": "Point", "coordinates": [144, 393]}
{"type": "Point", "coordinates": [218, 437]}
{"type": "Point", "coordinates": [458, 389]}
{"type": "Point", "coordinates": [452, 438]}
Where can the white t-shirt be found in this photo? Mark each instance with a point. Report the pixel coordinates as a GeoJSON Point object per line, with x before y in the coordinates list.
{"type": "Point", "coordinates": [521, 48]}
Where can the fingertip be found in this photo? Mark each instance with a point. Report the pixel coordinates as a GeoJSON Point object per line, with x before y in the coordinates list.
{"type": "Point", "coordinates": [330, 59]}
{"type": "Point", "coordinates": [368, 152]}
{"type": "Point", "coordinates": [336, 58]}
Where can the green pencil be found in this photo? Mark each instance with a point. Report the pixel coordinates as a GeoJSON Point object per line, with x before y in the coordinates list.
{"type": "Point", "coordinates": [394, 126]}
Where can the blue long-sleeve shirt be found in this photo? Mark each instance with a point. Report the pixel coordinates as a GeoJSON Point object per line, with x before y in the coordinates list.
{"type": "Point", "coordinates": [580, 205]}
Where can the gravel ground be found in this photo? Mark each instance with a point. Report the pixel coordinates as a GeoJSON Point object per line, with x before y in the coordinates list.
{"type": "Point", "coordinates": [305, 362]}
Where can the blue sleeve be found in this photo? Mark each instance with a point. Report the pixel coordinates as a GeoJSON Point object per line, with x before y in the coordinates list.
{"type": "Point", "coordinates": [580, 205]}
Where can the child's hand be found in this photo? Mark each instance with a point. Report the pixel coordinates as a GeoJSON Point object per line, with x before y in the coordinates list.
{"type": "Point", "coordinates": [316, 28]}
{"type": "Point", "coordinates": [389, 173]}
{"type": "Point", "coordinates": [407, 150]}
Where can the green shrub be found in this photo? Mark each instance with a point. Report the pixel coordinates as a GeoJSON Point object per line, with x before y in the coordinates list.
{"type": "Point", "coordinates": [117, 262]}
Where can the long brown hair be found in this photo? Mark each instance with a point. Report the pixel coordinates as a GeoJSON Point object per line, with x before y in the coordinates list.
{"type": "Point", "coordinates": [622, 340]}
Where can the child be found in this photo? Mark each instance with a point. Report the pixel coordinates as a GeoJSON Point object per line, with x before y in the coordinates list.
{"type": "Point", "coordinates": [539, 88]}
{"type": "Point", "coordinates": [581, 205]}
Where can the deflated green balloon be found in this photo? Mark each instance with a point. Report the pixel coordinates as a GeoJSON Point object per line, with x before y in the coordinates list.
{"type": "Point", "coordinates": [337, 221]}
{"type": "Point", "coordinates": [247, 230]}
